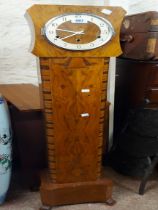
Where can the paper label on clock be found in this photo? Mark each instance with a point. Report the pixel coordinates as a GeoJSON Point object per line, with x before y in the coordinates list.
{"type": "Point", "coordinates": [79, 20]}
{"type": "Point", "coordinates": [106, 11]}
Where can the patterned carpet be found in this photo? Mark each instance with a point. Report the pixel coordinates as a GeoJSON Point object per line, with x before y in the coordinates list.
{"type": "Point", "coordinates": [125, 193]}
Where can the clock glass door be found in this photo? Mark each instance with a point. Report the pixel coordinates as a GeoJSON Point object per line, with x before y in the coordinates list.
{"type": "Point", "coordinates": [78, 31]}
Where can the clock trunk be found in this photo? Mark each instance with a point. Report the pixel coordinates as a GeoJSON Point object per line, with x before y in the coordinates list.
{"type": "Point", "coordinates": [75, 106]}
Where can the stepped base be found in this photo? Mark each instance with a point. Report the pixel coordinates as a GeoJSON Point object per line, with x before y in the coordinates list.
{"type": "Point", "coordinates": [53, 194]}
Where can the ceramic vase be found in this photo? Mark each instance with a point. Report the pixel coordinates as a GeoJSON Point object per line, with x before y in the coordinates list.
{"type": "Point", "coordinates": [5, 149]}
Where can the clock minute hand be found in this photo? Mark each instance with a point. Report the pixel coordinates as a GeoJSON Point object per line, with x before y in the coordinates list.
{"type": "Point", "coordinates": [76, 33]}
{"type": "Point", "coordinates": [60, 29]}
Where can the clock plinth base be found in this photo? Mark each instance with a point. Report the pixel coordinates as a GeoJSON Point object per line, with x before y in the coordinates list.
{"type": "Point", "coordinates": [53, 194]}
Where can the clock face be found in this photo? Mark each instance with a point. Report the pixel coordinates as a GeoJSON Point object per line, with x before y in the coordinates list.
{"type": "Point", "coordinates": [79, 31]}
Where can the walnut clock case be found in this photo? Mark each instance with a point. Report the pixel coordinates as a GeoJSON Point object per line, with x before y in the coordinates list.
{"type": "Point", "coordinates": [74, 44]}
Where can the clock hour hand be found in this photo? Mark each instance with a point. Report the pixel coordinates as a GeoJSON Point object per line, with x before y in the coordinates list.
{"type": "Point", "coordinates": [76, 33]}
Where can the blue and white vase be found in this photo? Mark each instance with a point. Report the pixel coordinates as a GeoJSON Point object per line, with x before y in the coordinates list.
{"type": "Point", "coordinates": [5, 149]}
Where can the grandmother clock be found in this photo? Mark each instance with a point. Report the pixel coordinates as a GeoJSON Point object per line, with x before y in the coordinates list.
{"type": "Point", "coordinates": [74, 44]}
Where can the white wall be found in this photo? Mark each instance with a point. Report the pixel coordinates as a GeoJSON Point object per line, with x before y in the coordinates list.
{"type": "Point", "coordinates": [122, 3]}
{"type": "Point", "coordinates": [138, 6]}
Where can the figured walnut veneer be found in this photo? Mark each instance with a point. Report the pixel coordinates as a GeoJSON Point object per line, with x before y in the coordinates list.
{"type": "Point", "coordinates": [74, 142]}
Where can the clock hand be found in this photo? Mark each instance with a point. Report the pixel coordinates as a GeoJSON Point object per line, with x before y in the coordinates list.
{"type": "Point", "coordinates": [76, 33]}
{"type": "Point", "coordinates": [59, 29]}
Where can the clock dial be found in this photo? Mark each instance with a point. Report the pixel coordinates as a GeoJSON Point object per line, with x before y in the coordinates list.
{"type": "Point", "coordinates": [78, 31]}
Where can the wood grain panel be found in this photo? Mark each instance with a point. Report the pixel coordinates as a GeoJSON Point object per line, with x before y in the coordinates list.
{"type": "Point", "coordinates": [74, 142]}
{"type": "Point", "coordinates": [13, 94]}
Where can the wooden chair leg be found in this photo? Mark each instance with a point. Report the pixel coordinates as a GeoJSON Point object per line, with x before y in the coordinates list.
{"type": "Point", "coordinates": [147, 174]}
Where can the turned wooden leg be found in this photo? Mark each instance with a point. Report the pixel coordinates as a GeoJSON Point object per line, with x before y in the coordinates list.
{"type": "Point", "coordinates": [110, 202]}
{"type": "Point", "coordinates": [45, 207]}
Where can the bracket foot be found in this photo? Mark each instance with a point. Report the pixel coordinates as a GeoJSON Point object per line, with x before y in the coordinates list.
{"type": "Point", "coordinates": [110, 202]}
